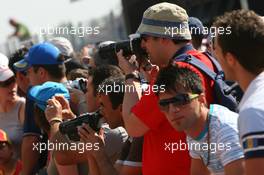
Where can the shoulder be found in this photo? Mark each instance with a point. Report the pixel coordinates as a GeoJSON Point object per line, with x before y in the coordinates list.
{"type": "Point", "coordinates": [223, 116]}
{"type": "Point", "coordinates": [251, 119]}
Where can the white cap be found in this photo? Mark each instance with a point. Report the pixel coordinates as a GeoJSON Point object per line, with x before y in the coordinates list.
{"type": "Point", "coordinates": [3, 59]}
{"type": "Point", "coordinates": [5, 73]}
{"type": "Point", "coordinates": [63, 44]}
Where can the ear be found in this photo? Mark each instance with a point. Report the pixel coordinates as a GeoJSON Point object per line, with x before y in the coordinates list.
{"type": "Point", "coordinates": [202, 99]}
{"type": "Point", "coordinates": [231, 59]}
{"type": "Point", "coordinates": [42, 73]}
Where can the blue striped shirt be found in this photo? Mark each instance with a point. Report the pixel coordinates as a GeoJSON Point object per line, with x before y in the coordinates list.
{"type": "Point", "coordinates": [223, 146]}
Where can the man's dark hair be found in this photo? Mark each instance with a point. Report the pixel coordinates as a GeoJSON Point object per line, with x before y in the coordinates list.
{"type": "Point", "coordinates": [99, 74]}
{"type": "Point", "coordinates": [116, 96]}
{"type": "Point", "coordinates": [174, 78]}
{"type": "Point", "coordinates": [17, 56]}
{"type": "Point", "coordinates": [177, 41]}
{"type": "Point", "coordinates": [246, 39]}
{"type": "Point", "coordinates": [56, 71]}
{"type": "Point", "coordinates": [197, 41]}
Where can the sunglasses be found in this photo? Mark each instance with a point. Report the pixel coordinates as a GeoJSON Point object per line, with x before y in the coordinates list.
{"type": "Point", "coordinates": [3, 145]}
{"type": "Point", "coordinates": [178, 101]}
{"type": "Point", "coordinates": [8, 82]}
{"type": "Point", "coordinates": [144, 37]}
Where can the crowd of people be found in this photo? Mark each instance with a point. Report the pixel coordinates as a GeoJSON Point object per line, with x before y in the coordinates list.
{"type": "Point", "coordinates": [62, 114]}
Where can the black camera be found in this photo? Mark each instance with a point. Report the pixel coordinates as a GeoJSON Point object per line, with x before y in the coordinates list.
{"type": "Point", "coordinates": [69, 128]}
{"type": "Point", "coordinates": [129, 47]}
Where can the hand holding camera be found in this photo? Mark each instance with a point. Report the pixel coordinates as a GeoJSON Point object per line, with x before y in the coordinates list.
{"type": "Point", "coordinates": [70, 128]}
{"type": "Point", "coordinates": [88, 135]}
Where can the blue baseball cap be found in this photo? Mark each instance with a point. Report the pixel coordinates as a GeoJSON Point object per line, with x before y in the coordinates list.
{"type": "Point", "coordinates": [39, 54]}
{"type": "Point", "coordinates": [40, 94]}
{"type": "Point", "coordinates": [196, 26]}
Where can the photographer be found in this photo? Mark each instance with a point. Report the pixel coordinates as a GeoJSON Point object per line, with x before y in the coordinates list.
{"type": "Point", "coordinates": [141, 114]}
{"type": "Point", "coordinates": [129, 162]}
{"type": "Point", "coordinates": [43, 95]}
{"type": "Point", "coordinates": [114, 138]}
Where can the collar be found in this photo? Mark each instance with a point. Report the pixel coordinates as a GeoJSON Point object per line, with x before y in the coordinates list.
{"type": "Point", "coordinates": [183, 50]}
{"type": "Point", "coordinates": [251, 88]}
{"type": "Point", "coordinates": [205, 130]}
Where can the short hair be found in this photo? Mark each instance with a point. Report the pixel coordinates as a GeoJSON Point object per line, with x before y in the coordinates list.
{"type": "Point", "coordinates": [17, 56]}
{"type": "Point", "coordinates": [197, 41]}
{"type": "Point", "coordinates": [246, 39]}
{"type": "Point", "coordinates": [56, 71]}
{"type": "Point", "coordinates": [77, 73]}
{"type": "Point", "coordinates": [116, 97]}
{"type": "Point", "coordinates": [174, 78]}
{"type": "Point", "coordinates": [99, 74]}
{"type": "Point", "coordinates": [177, 41]}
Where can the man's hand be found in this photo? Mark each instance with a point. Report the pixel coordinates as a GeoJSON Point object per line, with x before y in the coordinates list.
{"type": "Point", "coordinates": [77, 96]}
{"type": "Point", "coordinates": [66, 110]}
{"type": "Point", "coordinates": [125, 64]}
{"type": "Point", "coordinates": [148, 70]}
{"type": "Point", "coordinates": [88, 135]}
{"type": "Point", "coordinates": [53, 110]}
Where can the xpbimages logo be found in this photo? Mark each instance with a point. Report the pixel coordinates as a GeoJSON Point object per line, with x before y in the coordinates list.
{"type": "Point", "coordinates": [181, 30]}
{"type": "Point", "coordinates": [116, 88]}
{"type": "Point", "coordinates": [58, 146]}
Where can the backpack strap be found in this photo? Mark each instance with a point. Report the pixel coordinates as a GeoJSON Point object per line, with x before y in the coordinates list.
{"type": "Point", "coordinates": [198, 64]}
{"type": "Point", "coordinates": [214, 61]}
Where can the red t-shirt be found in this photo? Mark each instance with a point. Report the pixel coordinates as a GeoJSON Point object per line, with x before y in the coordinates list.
{"type": "Point", "coordinates": [207, 82]}
{"type": "Point", "coordinates": [157, 157]}
{"type": "Point", "coordinates": [18, 168]}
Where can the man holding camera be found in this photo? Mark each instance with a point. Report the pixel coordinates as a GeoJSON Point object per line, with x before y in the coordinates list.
{"type": "Point", "coordinates": [114, 138]}
{"type": "Point", "coordinates": [129, 162]}
{"type": "Point", "coordinates": [165, 35]}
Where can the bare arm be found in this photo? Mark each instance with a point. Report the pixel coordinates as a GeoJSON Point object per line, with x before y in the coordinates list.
{"type": "Point", "coordinates": [134, 126]}
{"type": "Point", "coordinates": [198, 167]}
{"type": "Point", "coordinates": [93, 167]}
{"type": "Point", "coordinates": [254, 166]}
{"type": "Point", "coordinates": [66, 157]}
{"type": "Point", "coordinates": [235, 168]}
{"type": "Point", "coordinates": [129, 170]}
{"type": "Point", "coordinates": [29, 162]}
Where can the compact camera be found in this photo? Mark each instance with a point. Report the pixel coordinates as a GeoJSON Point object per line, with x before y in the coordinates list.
{"type": "Point", "coordinates": [69, 128]}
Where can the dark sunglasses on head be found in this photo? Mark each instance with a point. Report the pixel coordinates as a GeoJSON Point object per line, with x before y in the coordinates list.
{"type": "Point", "coordinates": [3, 145]}
{"type": "Point", "coordinates": [8, 82]}
{"type": "Point", "coordinates": [178, 100]}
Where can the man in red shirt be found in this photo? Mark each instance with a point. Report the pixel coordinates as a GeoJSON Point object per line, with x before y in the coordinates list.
{"type": "Point", "coordinates": [163, 150]}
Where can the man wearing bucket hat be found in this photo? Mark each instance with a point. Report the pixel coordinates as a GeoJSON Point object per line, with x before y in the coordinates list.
{"type": "Point", "coordinates": [165, 35]}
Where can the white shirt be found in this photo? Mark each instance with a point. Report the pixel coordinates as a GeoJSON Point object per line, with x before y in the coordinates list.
{"type": "Point", "coordinates": [251, 119]}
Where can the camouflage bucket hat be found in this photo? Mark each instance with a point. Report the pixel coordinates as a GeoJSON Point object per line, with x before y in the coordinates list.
{"type": "Point", "coordinates": [165, 20]}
